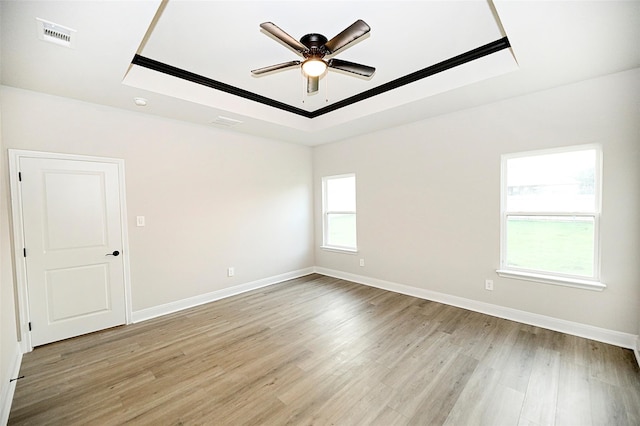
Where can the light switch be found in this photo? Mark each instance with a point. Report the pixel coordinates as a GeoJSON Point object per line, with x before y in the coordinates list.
{"type": "Point", "coordinates": [139, 220]}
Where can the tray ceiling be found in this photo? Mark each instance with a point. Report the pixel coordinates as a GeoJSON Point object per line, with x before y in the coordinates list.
{"type": "Point", "coordinates": [192, 59]}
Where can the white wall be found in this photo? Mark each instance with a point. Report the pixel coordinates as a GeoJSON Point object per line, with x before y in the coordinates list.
{"type": "Point", "coordinates": [428, 199]}
{"type": "Point", "coordinates": [211, 198]}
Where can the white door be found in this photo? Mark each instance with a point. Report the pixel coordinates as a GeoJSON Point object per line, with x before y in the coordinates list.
{"type": "Point", "coordinates": [73, 244]}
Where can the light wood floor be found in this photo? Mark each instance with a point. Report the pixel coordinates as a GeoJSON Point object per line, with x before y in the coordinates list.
{"type": "Point", "coordinates": [318, 350]}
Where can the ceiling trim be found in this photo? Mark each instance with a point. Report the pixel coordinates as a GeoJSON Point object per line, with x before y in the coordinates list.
{"type": "Point", "coordinates": [461, 59]}
{"type": "Point", "coordinates": [214, 84]}
{"type": "Point", "coordinates": [453, 62]}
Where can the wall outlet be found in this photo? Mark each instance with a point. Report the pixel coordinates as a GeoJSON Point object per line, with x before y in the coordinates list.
{"type": "Point", "coordinates": [231, 271]}
{"type": "Point", "coordinates": [361, 262]}
{"type": "Point", "coordinates": [488, 285]}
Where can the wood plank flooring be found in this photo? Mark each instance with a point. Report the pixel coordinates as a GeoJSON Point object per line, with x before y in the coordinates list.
{"type": "Point", "coordinates": [318, 350]}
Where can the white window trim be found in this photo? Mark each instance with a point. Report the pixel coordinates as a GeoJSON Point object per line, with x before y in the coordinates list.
{"type": "Point", "coordinates": [589, 283]}
{"type": "Point", "coordinates": [325, 217]}
{"type": "Point", "coordinates": [339, 249]}
{"type": "Point", "coordinates": [552, 279]}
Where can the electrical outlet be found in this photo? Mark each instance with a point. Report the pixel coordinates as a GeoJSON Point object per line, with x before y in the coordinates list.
{"type": "Point", "coordinates": [488, 285]}
{"type": "Point", "coordinates": [361, 262]}
{"type": "Point", "coordinates": [231, 271]}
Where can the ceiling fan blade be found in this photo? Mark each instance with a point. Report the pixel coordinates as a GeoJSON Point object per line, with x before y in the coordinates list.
{"type": "Point", "coordinates": [276, 67]}
{"type": "Point", "coordinates": [351, 67]}
{"type": "Point", "coordinates": [312, 84]}
{"type": "Point", "coordinates": [349, 35]}
{"type": "Point", "coordinates": [282, 36]}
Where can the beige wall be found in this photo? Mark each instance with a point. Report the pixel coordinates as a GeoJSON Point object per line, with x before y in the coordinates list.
{"type": "Point", "coordinates": [211, 198]}
{"type": "Point", "coordinates": [9, 349]}
{"type": "Point", "coordinates": [428, 198]}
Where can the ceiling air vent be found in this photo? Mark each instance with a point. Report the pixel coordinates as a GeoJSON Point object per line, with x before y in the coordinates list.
{"type": "Point", "coordinates": [226, 121]}
{"type": "Point", "coordinates": [54, 33]}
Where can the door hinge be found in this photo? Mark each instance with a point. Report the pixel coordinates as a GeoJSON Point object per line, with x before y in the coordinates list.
{"type": "Point", "coordinates": [20, 176]}
{"type": "Point", "coordinates": [29, 325]}
{"type": "Point", "coordinates": [24, 252]}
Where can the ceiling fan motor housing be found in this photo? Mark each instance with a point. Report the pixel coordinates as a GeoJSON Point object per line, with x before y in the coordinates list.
{"type": "Point", "coordinates": [315, 45]}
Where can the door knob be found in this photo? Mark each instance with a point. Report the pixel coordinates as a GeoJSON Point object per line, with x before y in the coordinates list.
{"type": "Point", "coordinates": [115, 253]}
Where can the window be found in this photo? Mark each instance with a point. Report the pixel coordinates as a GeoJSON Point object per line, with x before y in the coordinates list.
{"type": "Point", "coordinates": [339, 212]}
{"type": "Point", "coordinates": [550, 216]}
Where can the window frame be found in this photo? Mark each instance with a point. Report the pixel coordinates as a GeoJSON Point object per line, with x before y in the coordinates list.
{"type": "Point", "coordinates": [326, 213]}
{"type": "Point", "coordinates": [591, 283]}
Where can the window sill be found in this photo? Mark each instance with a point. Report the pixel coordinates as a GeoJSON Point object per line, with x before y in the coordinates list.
{"type": "Point", "coordinates": [550, 279]}
{"type": "Point", "coordinates": [339, 249]}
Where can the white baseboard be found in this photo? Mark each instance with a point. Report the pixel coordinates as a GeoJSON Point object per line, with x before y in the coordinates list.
{"type": "Point", "coordinates": [612, 337]}
{"type": "Point", "coordinates": [617, 338]}
{"type": "Point", "coordinates": [169, 308]}
{"type": "Point", "coordinates": [9, 388]}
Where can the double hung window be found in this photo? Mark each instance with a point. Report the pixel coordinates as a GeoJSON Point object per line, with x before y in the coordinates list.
{"type": "Point", "coordinates": [339, 212]}
{"type": "Point", "coordinates": [550, 216]}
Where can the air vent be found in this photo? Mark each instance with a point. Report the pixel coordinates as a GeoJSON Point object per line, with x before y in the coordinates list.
{"type": "Point", "coordinates": [54, 33]}
{"type": "Point", "coordinates": [226, 121]}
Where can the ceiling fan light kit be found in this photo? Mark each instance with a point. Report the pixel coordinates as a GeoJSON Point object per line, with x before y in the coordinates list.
{"type": "Point", "coordinates": [314, 67]}
{"type": "Point", "coordinates": [314, 47]}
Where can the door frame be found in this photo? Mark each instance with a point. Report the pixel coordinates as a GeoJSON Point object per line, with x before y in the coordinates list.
{"type": "Point", "coordinates": [20, 264]}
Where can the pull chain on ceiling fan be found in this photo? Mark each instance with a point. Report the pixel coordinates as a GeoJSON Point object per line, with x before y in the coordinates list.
{"type": "Point", "coordinates": [313, 48]}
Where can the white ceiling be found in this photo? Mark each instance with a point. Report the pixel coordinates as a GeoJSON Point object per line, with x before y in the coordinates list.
{"type": "Point", "coordinates": [552, 43]}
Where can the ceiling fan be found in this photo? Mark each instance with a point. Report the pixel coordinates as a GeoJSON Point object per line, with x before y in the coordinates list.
{"type": "Point", "coordinates": [313, 48]}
